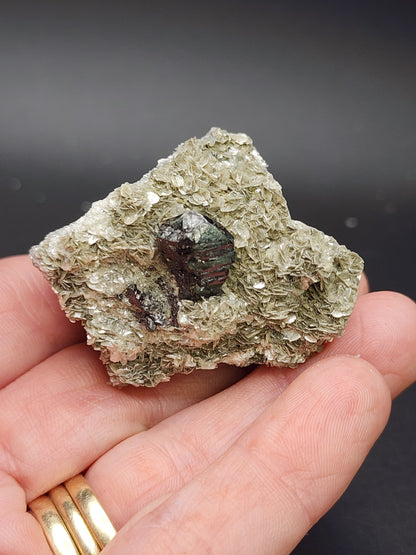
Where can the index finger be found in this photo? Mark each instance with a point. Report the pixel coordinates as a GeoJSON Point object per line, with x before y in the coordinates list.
{"type": "Point", "coordinates": [32, 324]}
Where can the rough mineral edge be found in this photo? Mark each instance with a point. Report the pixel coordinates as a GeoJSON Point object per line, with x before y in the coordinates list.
{"type": "Point", "coordinates": [290, 289]}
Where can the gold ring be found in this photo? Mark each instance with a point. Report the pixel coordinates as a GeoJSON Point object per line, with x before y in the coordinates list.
{"type": "Point", "coordinates": [72, 519]}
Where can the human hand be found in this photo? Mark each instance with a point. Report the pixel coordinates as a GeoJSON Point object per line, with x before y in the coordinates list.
{"type": "Point", "coordinates": [220, 461]}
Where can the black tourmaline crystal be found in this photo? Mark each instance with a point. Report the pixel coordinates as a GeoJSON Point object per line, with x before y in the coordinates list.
{"type": "Point", "coordinates": [198, 251]}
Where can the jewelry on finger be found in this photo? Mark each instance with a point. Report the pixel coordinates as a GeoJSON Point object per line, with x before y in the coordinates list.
{"type": "Point", "coordinates": [73, 519]}
{"type": "Point", "coordinates": [91, 509]}
{"type": "Point", "coordinates": [57, 534]}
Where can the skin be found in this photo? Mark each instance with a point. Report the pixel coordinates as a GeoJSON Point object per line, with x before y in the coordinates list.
{"type": "Point", "coordinates": [225, 461]}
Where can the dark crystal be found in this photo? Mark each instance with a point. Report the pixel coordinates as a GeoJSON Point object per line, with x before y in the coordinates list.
{"type": "Point", "coordinates": [156, 308]}
{"type": "Point", "coordinates": [198, 251]}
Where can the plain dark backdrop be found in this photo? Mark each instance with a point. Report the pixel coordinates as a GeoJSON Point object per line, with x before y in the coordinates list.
{"type": "Point", "coordinates": [93, 93]}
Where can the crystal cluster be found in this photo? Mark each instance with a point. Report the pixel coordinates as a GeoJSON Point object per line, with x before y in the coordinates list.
{"type": "Point", "coordinates": [199, 263]}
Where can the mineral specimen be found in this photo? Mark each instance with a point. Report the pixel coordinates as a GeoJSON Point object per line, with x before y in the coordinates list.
{"type": "Point", "coordinates": [199, 263]}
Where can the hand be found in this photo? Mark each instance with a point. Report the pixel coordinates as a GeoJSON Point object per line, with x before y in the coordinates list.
{"type": "Point", "coordinates": [220, 461]}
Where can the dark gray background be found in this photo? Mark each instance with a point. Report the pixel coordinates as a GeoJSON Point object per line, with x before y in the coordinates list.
{"type": "Point", "coordinates": [93, 93]}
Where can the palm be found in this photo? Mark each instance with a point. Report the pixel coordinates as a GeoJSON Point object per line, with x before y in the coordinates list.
{"type": "Point", "coordinates": [202, 455]}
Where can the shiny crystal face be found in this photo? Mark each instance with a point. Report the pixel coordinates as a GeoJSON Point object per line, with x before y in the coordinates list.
{"type": "Point", "coordinates": [199, 253]}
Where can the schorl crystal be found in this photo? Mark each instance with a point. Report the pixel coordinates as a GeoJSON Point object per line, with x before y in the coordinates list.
{"type": "Point", "coordinates": [199, 263]}
{"type": "Point", "coordinates": [199, 252]}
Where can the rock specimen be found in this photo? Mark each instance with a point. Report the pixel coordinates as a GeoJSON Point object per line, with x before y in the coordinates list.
{"type": "Point", "coordinates": [199, 263]}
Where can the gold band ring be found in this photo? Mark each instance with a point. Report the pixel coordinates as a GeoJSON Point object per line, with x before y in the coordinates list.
{"type": "Point", "coordinates": [72, 519]}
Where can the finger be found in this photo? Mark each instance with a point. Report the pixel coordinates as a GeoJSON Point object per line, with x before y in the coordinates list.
{"type": "Point", "coordinates": [20, 533]}
{"type": "Point", "coordinates": [171, 453]}
{"type": "Point", "coordinates": [95, 420]}
{"type": "Point", "coordinates": [280, 476]}
{"type": "Point", "coordinates": [32, 325]}
{"type": "Point", "coordinates": [152, 464]}
{"type": "Point", "coordinates": [363, 286]}
{"type": "Point", "coordinates": [382, 330]}
{"type": "Point", "coordinates": [62, 415]}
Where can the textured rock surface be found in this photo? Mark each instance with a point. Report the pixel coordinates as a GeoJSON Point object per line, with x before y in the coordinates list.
{"type": "Point", "coordinates": [289, 289]}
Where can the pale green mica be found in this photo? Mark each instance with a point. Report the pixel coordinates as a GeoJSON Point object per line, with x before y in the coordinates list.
{"type": "Point", "coordinates": [290, 289]}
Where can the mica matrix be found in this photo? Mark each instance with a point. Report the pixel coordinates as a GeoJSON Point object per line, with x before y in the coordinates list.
{"type": "Point", "coordinates": [283, 288]}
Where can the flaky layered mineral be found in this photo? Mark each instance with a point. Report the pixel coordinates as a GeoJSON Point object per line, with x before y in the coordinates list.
{"type": "Point", "coordinates": [197, 264]}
